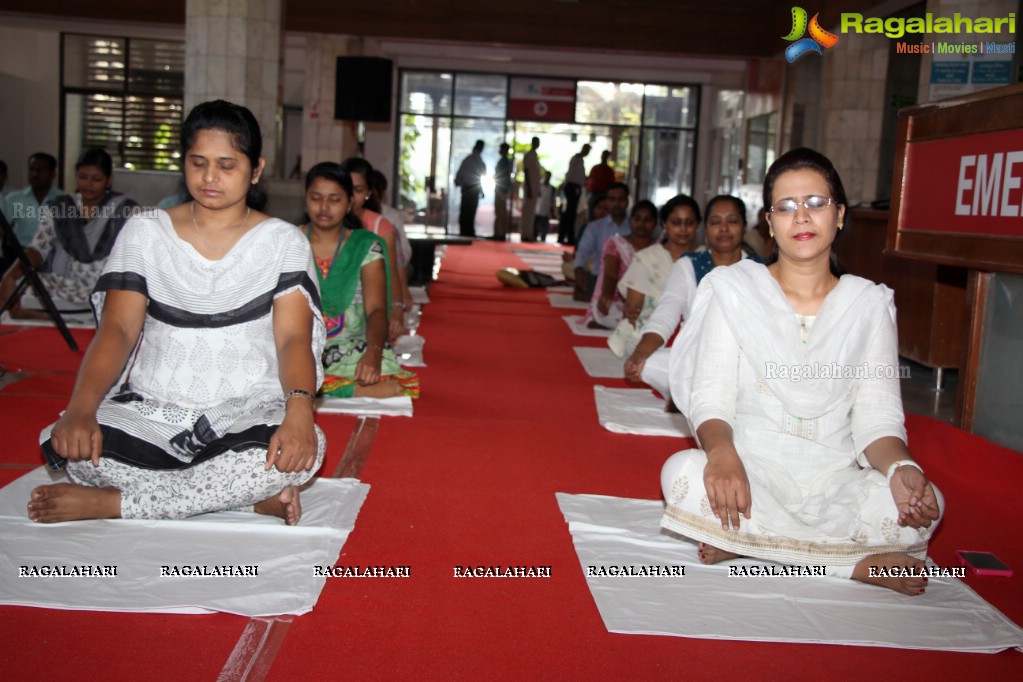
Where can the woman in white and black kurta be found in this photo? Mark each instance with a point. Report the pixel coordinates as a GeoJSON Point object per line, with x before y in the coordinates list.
{"type": "Point", "coordinates": [196, 394]}
{"type": "Point", "coordinates": [788, 375]}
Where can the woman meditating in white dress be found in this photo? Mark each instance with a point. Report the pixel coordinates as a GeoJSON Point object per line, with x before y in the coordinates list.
{"type": "Point", "coordinates": [788, 374]}
{"type": "Point", "coordinates": [196, 393]}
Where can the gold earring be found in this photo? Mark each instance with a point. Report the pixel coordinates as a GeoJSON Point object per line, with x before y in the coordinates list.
{"type": "Point", "coordinates": [771, 232]}
{"type": "Point", "coordinates": [841, 225]}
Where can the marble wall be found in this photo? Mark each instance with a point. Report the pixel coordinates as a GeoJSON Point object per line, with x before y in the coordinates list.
{"type": "Point", "coordinates": [233, 52]}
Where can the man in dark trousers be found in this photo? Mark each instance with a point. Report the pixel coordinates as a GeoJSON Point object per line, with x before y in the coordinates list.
{"type": "Point", "coordinates": [575, 180]}
{"type": "Point", "coordinates": [468, 179]}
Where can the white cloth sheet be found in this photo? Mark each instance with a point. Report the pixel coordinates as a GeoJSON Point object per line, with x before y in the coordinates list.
{"type": "Point", "coordinates": [409, 350]}
{"type": "Point", "coordinates": [575, 323]}
{"type": "Point", "coordinates": [600, 362]}
{"type": "Point", "coordinates": [566, 301]}
{"type": "Point", "coordinates": [419, 295]}
{"type": "Point", "coordinates": [637, 411]}
{"type": "Point", "coordinates": [368, 407]}
{"type": "Point", "coordinates": [550, 266]}
{"type": "Point", "coordinates": [706, 603]}
{"type": "Point", "coordinates": [284, 555]}
{"type": "Point", "coordinates": [72, 320]}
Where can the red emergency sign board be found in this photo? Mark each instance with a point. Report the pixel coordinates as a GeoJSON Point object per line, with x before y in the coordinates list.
{"type": "Point", "coordinates": [969, 185]}
{"type": "Point", "coordinates": [957, 194]}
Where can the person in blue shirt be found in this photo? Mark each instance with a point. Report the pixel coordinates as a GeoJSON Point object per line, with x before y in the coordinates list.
{"type": "Point", "coordinates": [22, 206]}
{"type": "Point", "coordinates": [591, 243]}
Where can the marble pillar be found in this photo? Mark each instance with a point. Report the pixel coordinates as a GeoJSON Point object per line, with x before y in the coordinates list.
{"type": "Point", "coordinates": [233, 51]}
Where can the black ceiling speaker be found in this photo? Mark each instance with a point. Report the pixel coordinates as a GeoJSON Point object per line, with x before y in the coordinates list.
{"type": "Point", "coordinates": [363, 89]}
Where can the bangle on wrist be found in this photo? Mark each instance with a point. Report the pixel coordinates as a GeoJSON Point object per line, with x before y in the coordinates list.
{"type": "Point", "coordinates": [298, 392]}
{"type": "Point", "coordinates": [398, 304]}
{"type": "Point", "coordinates": [901, 463]}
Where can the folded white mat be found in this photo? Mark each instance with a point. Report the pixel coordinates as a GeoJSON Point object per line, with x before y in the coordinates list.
{"type": "Point", "coordinates": [419, 295]}
{"type": "Point", "coordinates": [552, 259]}
{"type": "Point", "coordinates": [600, 362]}
{"type": "Point", "coordinates": [575, 323]}
{"type": "Point", "coordinates": [706, 603]}
{"type": "Point", "coordinates": [72, 320]}
{"type": "Point", "coordinates": [409, 350]}
{"type": "Point", "coordinates": [284, 556]}
{"type": "Point", "coordinates": [638, 411]}
{"type": "Point", "coordinates": [369, 407]}
{"type": "Point", "coordinates": [566, 301]}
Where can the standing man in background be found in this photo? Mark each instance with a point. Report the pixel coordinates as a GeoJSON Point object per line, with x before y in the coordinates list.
{"type": "Point", "coordinates": [575, 180]}
{"type": "Point", "coordinates": [502, 186]}
{"type": "Point", "coordinates": [468, 178]}
{"type": "Point", "coordinates": [531, 191]}
{"type": "Point", "coordinates": [600, 178]}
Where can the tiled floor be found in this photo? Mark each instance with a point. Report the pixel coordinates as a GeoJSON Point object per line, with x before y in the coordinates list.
{"type": "Point", "coordinates": [920, 396]}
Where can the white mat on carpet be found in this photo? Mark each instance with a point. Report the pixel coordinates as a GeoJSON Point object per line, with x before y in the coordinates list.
{"type": "Point", "coordinates": [409, 350]}
{"type": "Point", "coordinates": [600, 362]}
{"type": "Point", "coordinates": [368, 407]}
{"type": "Point", "coordinates": [706, 603]}
{"type": "Point", "coordinates": [72, 320]}
{"type": "Point", "coordinates": [637, 411]}
{"type": "Point", "coordinates": [284, 556]}
{"type": "Point", "coordinates": [560, 289]}
{"type": "Point", "coordinates": [566, 301]}
{"type": "Point", "coordinates": [419, 295]}
{"type": "Point", "coordinates": [575, 323]}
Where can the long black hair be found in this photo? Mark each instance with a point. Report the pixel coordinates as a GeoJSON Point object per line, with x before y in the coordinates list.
{"type": "Point", "coordinates": [98, 157]}
{"type": "Point", "coordinates": [238, 122]}
{"type": "Point", "coordinates": [679, 200]}
{"type": "Point", "coordinates": [328, 170]}
{"type": "Point", "coordinates": [644, 205]}
{"type": "Point", "coordinates": [804, 158]}
{"type": "Point", "coordinates": [739, 204]}
{"type": "Point", "coordinates": [357, 164]}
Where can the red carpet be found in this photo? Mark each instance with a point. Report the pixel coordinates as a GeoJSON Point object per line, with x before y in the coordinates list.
{"type": "Point", "coordinates": [506, 420]}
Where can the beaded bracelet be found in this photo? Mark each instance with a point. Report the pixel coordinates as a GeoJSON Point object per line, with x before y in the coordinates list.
{"type": "Point", "coordinates": [299, 393]}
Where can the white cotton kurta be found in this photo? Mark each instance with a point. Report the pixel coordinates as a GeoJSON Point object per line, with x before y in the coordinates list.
{"type": "Point", "coordinates": [815, 499]}
{"type": "Point", "coordinates": [204, 375]}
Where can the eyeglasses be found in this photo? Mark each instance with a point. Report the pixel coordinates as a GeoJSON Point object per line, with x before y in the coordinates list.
{"type": "Point", "coordinates": [811, 203]}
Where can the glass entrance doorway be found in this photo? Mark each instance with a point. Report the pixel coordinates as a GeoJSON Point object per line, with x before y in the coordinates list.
{"type": "Point", "coordinates": [649, 134]}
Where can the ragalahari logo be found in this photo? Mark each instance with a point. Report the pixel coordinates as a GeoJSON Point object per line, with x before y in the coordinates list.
{"type": "Point", "coordinates": [818, 36]}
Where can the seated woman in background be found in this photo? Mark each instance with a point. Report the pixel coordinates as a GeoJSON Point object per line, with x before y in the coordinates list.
{"type": "Point", "coordinates": [196, 395]}
{"type": "Point", "coordinates": [644, 281]}
{"type": "Point", "coordinates": [361, 172]}
{"type": "Point", "coordinates": [607, 307]}
{"type": "Point", "coordinates": [354, 281]}
{"type": "Point", "coordinates": [726, 222]}
{"type": "Point", "coordinates": [797, 466]}
{"type": "Point", "coordinates": [76, 233]}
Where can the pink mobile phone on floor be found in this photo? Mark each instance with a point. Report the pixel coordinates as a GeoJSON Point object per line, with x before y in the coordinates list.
{"type": "Point", "coordinates": [983, 563]}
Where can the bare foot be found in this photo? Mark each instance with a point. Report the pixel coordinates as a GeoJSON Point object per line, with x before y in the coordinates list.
{"type": "Point", "coordinates": [72, 502]}
{"type": "Point", "coordinates": [893, 565]}
{"type": "Point", "coordinates": [385, 388]}
{"type": "Point", "coordinates": [285, 505]}
{"type": "Point", "coordinates": [713, 555]}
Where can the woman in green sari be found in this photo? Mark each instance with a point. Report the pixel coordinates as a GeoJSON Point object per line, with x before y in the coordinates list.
{"type": "Point", "coordinates": [355, 290]}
